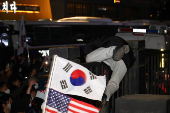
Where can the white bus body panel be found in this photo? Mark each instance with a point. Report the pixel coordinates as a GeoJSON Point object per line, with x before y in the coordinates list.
{"type": "Point", "coordinates": [152, 41]}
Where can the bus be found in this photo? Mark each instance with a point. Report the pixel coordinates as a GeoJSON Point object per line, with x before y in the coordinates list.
{"type": "Point", "coordinates": [68, 32]}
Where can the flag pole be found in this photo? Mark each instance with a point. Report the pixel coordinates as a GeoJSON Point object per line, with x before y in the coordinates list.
{"type": "Point", "coordinates": [49, 83]}
{"type": "Point", "coordinates": [21, 37]}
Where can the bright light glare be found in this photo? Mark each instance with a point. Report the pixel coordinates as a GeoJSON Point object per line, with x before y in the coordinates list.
{"type": "Point", "coordinates": [162, 55]}
{"type": "Point", "coordinates": [79, 39]}
{"type": "Point", "coordinates": [165, 31]}
{"type": "Point", "coordinates": [162, 62]}
{"type": "Point", "coordinates": [27, 39]}
{"type": "Point", "coordinates": [5, 42]}
{"type": "Point", "coordinates": [46, 62]}
{"type": "Point", "coordinates": [44, 52]}
{"type": "Point", "coordinates": [139, 30]}
{"type": "Point", "coordinates": [4, 34]}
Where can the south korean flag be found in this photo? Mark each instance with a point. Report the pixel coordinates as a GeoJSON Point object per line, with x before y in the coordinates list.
{"type": "Point", "coordinates": [70, 78]}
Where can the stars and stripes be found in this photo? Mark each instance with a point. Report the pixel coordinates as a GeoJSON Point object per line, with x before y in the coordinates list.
{"type": "Point", "coordinates": [60, 103]}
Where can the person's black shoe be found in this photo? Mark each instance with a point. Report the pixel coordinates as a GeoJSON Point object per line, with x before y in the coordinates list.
{"type": "Point", "coordinates": [120, 51]}
{"type": "Point", "coordinates": [105, 108]}
{"type": "Point", "coordinates": [105, 105]}
{"type": "Point", "coordinates": [104, 99]}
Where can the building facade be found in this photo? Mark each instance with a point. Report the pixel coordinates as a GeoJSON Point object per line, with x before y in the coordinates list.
{"type": "Point", "coordinates": [114, 9]}
{"type": "Point", "coordinates": [33, 10]}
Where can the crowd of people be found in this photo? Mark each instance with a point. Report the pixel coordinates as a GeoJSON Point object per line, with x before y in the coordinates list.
{"type": "Point", "coordinates": [19, 84]}
{"type": "Point", "coordinates": [19, 79]}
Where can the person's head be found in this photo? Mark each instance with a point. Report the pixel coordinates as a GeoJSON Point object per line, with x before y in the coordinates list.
{"type": "Point", "coordinates": [4, 88]}
{"type": "Point", "coordinates": [36, 85]}
{"type": "Point", "coordinates": [33, 93]}
{"type": "Point", "coordinates": [16, 82]}
{"type": "Point", "coordinates": [34, 71]}
{"type": "Point", "coordinates": [12, 57]}
{"type": "Point", "coordinates": [1, 71]}
{"type": "Point", "coordinates": [39, 57]}
{"type": "Point", "coordinates": [20, 56]}
{"type": "Point", "coordinates": [5, 103]}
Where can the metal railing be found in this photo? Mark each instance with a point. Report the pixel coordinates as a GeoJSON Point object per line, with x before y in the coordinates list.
{"type": "Point", "coordinates": [102, 69]}
{"type": "Point", "coordinates": [156, 81]}
{"type": "Point", "coordinates": [157, 72]}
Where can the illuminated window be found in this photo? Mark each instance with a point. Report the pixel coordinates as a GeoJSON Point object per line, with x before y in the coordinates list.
{"type": "Point", "coordinates": [70, 7]}
{"type": "Point", "coordinates": [106, 8]}
{"type": "Point", "coordinates": [78, 9]}
{"type": "Point", "coordinates": [116, 1]}
{"type": "Point", "coordinates": [107, 11]}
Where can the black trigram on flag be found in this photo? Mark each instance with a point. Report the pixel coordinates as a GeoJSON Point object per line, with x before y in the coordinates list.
{"type": "Point", "coordinates": [63, 84]}
{"type": "Point", "coordinates": [88, 90]}
{"type": "Point", "coordinates": [67, 67]}
{"type": "Point", "coordinates": [92, 77]}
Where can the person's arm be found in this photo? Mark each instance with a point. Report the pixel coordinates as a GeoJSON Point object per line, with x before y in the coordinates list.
{"type": "Point", "coordinates": [19, 90]}
{"type": "Point", "coordinates": [42, 65]}
{"type": "Point", "coordinates": [26, 98]}
{"type": "Point", "coordinates": [22, 61]}
{"type": "Point", "coordinates": [32, 82]}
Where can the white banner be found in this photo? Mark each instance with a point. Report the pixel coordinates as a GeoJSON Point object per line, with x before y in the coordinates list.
{"type": "Point", "coordinates": [71, 78]}
{"type": "Point", "coordinates": [21, 40]}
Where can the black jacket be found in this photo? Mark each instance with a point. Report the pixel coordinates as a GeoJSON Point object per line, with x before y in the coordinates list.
{"type": "Point", "coordinates": [21, 105]}
{"type": "Point", "coordinates": [108, 41]}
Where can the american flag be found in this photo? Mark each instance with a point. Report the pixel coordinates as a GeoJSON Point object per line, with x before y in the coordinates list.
{"type": "Point", "coordinates": [60, 103]}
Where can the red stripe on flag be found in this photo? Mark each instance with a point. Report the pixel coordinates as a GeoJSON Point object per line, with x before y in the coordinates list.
{"type": "Point", "coordinates": [80, 108]}
{"type": "Point", "coordinates": [22, 44]}
{"type": "Point", "coordinates": [86, 104]}
{"type": "Point", "coordinates": [72, 110]}
{"type": "Point", "coordinates": [51, 111]}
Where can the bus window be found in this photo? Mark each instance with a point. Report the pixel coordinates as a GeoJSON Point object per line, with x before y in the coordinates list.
{"type": "Point", "coordinates": [98, 31]}
{"type": "Point", "coordinates": [41, 36]}
{"type": "Point", "coordinates": [30, 33]}
{"type": "Point", "coordinates": [80, 34]}
{"type": "Point", "coordinates": [112, 30]}
{"type": "Point", "coordinates": [60, 35]}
